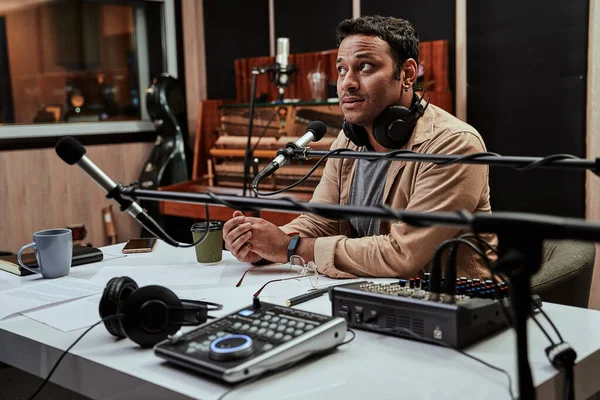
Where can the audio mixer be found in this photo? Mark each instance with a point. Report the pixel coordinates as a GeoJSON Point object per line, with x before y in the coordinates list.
{"type": "Point", "coordinates": [402, 308]}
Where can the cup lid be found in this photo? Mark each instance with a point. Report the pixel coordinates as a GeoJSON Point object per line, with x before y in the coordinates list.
{"type": "Point", "coordinates": [201, 226]}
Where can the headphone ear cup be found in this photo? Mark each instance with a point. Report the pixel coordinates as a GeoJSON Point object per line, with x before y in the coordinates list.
{"type": "Point", "coordinates": [115, 294]}
{"type": "Point", "coordinates": [356, 133]}
{"type": "Point", "coordinates": [393, 127]}
{"type": "Point", "coordinates": [147, 319]}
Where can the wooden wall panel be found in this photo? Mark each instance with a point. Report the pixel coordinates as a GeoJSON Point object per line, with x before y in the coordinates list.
{"type": "Point", "coordinates": [434, 56]}
{"type": "Point", "coordinates": [39, 191]}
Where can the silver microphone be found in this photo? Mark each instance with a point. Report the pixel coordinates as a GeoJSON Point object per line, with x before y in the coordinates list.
{"type": "Point", "coordinates": [282, 58]}
{"type": "Point", "coordinates": [283, 51]}
{"type": "Point", "coordinates": [315, 132]}
{"type": "Point", "coordinates": [72, 152]}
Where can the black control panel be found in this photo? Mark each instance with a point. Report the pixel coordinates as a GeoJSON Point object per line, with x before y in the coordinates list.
{"type": "Point", "coordinates": [253, 340]}
{"type": "Point", "coordinates": [405, 309]}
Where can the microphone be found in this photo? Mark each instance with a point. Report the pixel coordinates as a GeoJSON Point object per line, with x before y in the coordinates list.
{"type": "Point", "coordinates": [282, 58]}
{"type": "Point", "coordinates": [315, 132]}
{"type": "Point", "coordinates": [72, 152]}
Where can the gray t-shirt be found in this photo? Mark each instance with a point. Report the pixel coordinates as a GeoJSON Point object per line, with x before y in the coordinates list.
{"type": "Point", "coordinates": [367, 190]}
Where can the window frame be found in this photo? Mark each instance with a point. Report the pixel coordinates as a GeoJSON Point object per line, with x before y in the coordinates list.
{"type": "Point", "coordinates": [142, 126]}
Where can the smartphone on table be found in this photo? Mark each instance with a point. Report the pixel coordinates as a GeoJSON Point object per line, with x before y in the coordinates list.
{"type": "Point", "coordinates": [143, 245]}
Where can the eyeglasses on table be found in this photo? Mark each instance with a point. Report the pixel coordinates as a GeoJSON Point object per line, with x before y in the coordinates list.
{"type": "Point", "coordinates": [297, 268]}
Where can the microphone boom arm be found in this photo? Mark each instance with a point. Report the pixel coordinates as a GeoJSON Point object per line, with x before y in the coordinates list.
{"type": "Point", "coordinates": [556, 161]}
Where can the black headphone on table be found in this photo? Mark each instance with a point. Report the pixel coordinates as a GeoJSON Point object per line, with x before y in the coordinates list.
{"type": "Point", "coordinates": [150, 314]}
{"type": "Point", "coordinates": [392, 128]}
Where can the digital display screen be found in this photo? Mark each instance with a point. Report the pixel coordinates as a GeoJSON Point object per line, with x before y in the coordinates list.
{"type": "Point", "coordinates": [246, 313]}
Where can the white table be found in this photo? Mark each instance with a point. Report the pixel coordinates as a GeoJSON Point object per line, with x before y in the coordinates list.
{"type": "Point", "coordinates": [372, 366]}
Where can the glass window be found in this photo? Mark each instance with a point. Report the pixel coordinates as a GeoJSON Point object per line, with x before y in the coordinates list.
{"type": "Point", "coordinates": [81, 61]}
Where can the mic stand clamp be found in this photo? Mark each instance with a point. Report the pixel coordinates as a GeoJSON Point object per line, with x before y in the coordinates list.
{"type": "Point", "coordinates": [117, 194]}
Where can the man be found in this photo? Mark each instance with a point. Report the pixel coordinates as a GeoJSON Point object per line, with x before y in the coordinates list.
{"type": "Point", "coordinates": [377, 66]}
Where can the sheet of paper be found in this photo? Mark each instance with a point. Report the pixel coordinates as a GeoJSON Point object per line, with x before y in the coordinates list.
{"type": "Point", "coordinates": [164, 275]}
{"type": "Point", "coordinates": [69, 316]}
{"type": "Point", "coordinates": [48, 292]}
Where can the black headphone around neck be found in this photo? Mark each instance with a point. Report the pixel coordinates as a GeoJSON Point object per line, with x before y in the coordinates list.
{"type": "Point", "coordinates": [150, 314]}
{"type": "Point", "coordinates": [392, 128]}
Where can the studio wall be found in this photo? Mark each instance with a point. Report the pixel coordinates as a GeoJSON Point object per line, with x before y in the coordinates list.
{"type": "Point", "coordinates": [232, 29]}
{"type": "Point", "coordinates": [526, 74]}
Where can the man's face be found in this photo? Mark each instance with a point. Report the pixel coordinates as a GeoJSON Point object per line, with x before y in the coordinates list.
{"type": "Point", "coordinates": [366, 84]}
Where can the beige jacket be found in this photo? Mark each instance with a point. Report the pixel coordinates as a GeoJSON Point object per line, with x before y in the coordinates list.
{"type": "Point", "coordinates": [403, 250]}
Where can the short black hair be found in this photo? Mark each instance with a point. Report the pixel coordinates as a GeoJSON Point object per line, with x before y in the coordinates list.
{"type": "Point", "coordinates": [397, 32]}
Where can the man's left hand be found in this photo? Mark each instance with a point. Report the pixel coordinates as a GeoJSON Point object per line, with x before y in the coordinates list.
{"type": "Point", "coordinates": [268, 240]}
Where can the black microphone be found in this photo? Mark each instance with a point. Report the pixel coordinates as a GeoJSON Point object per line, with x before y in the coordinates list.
{"type": "Point", "coordinates": [315, 132]}
{"type": "Point", "coordinates": [72, 152]}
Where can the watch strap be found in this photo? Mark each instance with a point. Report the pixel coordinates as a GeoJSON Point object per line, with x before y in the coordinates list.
{"type": "Point", "coordinates": [293, 245]}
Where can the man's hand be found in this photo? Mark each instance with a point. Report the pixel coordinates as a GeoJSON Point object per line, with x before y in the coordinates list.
{"type": "Point", "coordinates": [236, 235]}
{"type": "Point", "coordinates": [268, 240]}
{"type": "Point", "coordinates": [249, 239]}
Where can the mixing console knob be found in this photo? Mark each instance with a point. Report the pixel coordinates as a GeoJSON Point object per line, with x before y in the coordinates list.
{"type": "Point", "coordinates": [412, 283]}
{"type": "Point", "coordinates": [402, 282]}
{"type": "Point", "coordinates": [231, 347]}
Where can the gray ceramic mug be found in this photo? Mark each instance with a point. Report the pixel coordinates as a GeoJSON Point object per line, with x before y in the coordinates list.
{"type": "Point", "coordinates": [53, 251]}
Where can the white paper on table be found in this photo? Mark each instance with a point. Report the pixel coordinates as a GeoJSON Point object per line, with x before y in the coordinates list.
{"type": "Point", "coordinates": [164, 275]}
{"type": "Point", "coordinates": [69, 316]}
{"type": "Point", "coordinates": [48, 292]}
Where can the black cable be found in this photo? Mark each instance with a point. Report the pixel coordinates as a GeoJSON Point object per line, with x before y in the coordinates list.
{"type": "Point", "coordinates": [305, 177]}
{"type": "Point", "coordinates": [164, 234]}
{"type": "Point", "coordinates": [264, 131]}
{"type": "Point", "coordinates": [481, 241]}
{"type": "Point", "coordinates": [447, 159]}
{"type": "Point", "coordinates": [284, 367]}
{"type": "Point", "coordinates": [448, 345]}
{"type": "Point", "coordinates": [546, 160]}
{"type": "Point", "coordinates": [66, 351]}
{"type": "Point", "coordinates": [570, 389]}
{"type": "Point", "coordinates": [552, 325]}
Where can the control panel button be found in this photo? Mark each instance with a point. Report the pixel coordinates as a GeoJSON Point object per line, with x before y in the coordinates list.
{"type": "Point", "coordinates": [267, 347]}
{"type": "Point", "coordinates": [286, 338]}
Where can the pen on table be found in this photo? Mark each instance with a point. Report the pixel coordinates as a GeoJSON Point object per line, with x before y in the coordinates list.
{"type": "Point", "coordinates": [306, 296]}
{"type": "Point", "coordinates": [313, 294]}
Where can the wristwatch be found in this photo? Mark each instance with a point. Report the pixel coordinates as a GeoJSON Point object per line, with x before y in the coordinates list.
{"type": "Point", "coordinates": [293, 245]}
